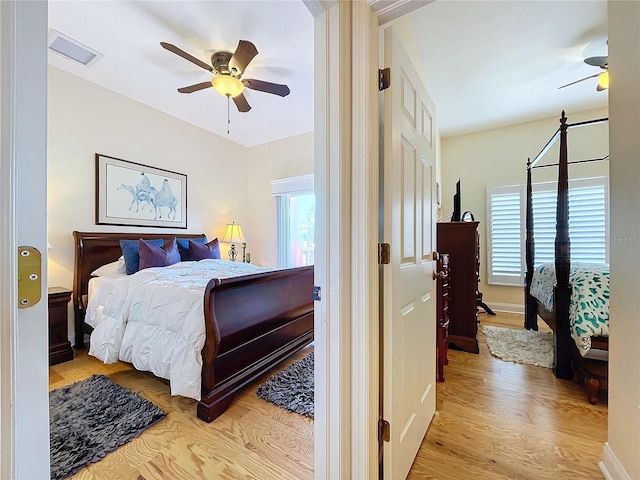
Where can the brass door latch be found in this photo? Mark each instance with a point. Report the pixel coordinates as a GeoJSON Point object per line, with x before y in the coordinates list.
{"type": "Point", "coordinates": [29, 276]}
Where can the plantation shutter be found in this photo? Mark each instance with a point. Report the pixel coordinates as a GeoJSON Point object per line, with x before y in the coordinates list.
{"type": "Point", "coordinates": [588, 213]}
{"type": "Point", "coordinates": [588, 226]}
{"type": "Point", "coordinates": [505, 233]}
{"type": "Point", "coordinates": [588, 208]}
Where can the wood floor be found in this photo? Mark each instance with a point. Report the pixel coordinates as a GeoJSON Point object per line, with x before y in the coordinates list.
{"type": "Point", "coordinates": [495, 420]}
{"type": "Point", "coordinates": [253, 439]}
{"type": "Point", "coordinates": [498, 420]}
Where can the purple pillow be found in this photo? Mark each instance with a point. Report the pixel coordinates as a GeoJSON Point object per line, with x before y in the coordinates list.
{"type": "Point", "coordinates": [199, 251]}
{"type": "Point", "coordinates": [152, 256]}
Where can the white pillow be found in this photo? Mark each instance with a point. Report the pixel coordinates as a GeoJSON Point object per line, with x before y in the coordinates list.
{"type": "Point", "coordinates": [114, 268]}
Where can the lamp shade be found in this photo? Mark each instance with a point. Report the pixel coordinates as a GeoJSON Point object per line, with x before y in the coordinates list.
{"type": "Point", "coordinates": [227, 85]}
{"type": "Point", "coordinates": [233, 234]}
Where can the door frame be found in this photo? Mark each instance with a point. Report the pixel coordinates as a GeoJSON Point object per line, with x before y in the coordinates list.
{"type": "Point", "coordinates": [24, 399]}
{"type": "Point", "coordinates": [346, 184]}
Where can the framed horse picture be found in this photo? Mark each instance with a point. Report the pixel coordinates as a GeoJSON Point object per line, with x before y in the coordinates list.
{"type": "Point", "coordinates": [129, 193]}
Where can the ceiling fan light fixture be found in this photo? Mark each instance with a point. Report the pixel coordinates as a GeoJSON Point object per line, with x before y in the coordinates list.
{"type": "Point", "coordinates": [227, 85]}
{"type": "Point", "coordinates": [603, 80]}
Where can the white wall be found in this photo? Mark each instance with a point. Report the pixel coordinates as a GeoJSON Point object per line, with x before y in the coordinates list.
{"type": "Point", "coordinates": [499, 157]}
{"type": "Point", "coordinates": [225, 181]}
{"type": "Point", "coordinates": [290, 157]}
{"type": "Point", "coordinates": [621, 457]}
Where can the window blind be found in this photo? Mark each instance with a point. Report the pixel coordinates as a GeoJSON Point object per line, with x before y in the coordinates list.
{"type": "Point", "coordinates": [504, 231]}
{"type": "Point", "coordinates": [588, 226]}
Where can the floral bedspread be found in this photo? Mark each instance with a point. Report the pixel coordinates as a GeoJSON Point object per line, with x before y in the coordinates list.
{"type": "Point", "coordinates": [589, 304]}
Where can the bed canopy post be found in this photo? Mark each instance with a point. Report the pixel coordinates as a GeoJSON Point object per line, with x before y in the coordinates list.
{"type": "Point", "coordinates": [531, 311]}
{"type": "Point", "coordinates": [562, 289]}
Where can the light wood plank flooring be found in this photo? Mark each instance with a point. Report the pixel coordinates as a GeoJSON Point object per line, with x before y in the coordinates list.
{"type": "Point", "coordinates": [504, 421]}
{"type": "Point", "coordinates": [253, 439]}
{"type": "Point", "coordinates": [496, 420]}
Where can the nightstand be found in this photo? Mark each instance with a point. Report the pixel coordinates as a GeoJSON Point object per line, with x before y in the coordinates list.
{"type": "Point", "coordinates": [59, 346]}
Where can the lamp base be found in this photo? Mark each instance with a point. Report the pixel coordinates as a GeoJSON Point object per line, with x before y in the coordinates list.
{"type": "Point", "coordinates": [233, 253]}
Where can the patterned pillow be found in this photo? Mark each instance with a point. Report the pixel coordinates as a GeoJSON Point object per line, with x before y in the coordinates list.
{"type": "Point", "coordinates": [162, 256]}
{"type": "Point", "coordinates": [202, 252]}
{"type": "Point", "coordinates": [131, 253]}
{"type": "Point", "coordinates": [183, 246]}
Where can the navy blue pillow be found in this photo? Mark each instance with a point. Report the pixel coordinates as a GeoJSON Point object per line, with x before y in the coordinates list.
{"type": "Point", "coordinates": [183, 246]}
{"type": "Point", "coordinates": [131, 253]}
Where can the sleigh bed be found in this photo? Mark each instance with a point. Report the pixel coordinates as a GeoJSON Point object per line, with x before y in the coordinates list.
{"type": "Point", "coordinates": [565, 296]}
{"type": "Point", "coordinates": [251, 322]}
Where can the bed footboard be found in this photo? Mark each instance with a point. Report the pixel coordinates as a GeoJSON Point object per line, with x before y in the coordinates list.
{"type": "Point", "coordinates": [252, 323]}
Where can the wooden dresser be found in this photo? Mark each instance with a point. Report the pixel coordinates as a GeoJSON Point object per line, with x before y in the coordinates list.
{"type": "Point", "coordinates": [442, 312]}
{"type": "Point", "coordinates": [460, 240]}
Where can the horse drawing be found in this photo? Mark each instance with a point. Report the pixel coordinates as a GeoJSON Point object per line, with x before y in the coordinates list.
{"type": "Point", "coordinates": [139, 198]}
{"type": "Point", "coordinates": [164, 198]}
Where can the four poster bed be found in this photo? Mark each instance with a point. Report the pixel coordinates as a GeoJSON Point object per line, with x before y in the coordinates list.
{"type": "Point", "coordinates": [571, 299]}
{"type": "Point", "coordinates": [251, 322]}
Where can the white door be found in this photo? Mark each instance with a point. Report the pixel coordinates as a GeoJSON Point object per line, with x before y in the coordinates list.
{"type": "Point", "coordinates": [24, 372]}
{"type": "Point", "coordinates": [409, 291]}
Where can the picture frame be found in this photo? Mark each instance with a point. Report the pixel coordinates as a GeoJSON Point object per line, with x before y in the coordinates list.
{"type": "Point", "coordinates": [133, 194]}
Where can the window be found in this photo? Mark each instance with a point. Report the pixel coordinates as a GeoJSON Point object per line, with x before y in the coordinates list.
{"type": "Point", "coordinates": [295, 220]}
{"type": "Point", "coordinates": [588, 226]}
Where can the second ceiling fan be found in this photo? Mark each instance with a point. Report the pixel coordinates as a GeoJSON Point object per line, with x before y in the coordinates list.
{"type": "Point", "coordinates": [603, 77]}
{"type": "Point", "coordinates": [227, 69]}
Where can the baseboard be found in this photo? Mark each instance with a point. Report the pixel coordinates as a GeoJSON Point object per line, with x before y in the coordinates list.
{"type": "Point", "coordinates": [610, 466]}
{"type": "Point", "coordinates": [505, 307]}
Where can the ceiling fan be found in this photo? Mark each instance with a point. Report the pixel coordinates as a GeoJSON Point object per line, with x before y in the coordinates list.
{"type": "Point", "coordinates": [603, 77]}
{"type": "Point", "coordinates": [227, 69]}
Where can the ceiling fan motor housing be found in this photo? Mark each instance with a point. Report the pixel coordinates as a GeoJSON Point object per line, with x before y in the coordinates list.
{"type": "Point", "coordinates": [220, 63]}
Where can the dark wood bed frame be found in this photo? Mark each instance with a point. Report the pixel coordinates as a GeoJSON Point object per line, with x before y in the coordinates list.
{"type": "Point", "coordinates": [565, 351]}
{"type": "Point", "coordinates": [252, 322]}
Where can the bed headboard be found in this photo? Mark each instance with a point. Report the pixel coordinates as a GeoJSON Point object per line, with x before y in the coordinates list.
{"type": "Point", "coordinates": [94, 249]}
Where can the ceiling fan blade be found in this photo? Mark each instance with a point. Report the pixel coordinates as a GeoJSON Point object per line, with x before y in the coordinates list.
{"type": "Point", "coordinates": [242, 56]}
{"type": "Point", "coordinates": [241, 103]}
{"type": "Point", "coordinates": [578, 81]}
{"type": "Point", "coordinates": [195, 88]}
{"type": "Point", "coordinates": [597, 61]}
{"type": "Point", "coordinates": [186, 56]}
{"type": "Point", "coordinates": [268, 87]}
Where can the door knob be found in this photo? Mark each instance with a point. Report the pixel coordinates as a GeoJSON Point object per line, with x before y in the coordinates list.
{"type": "Point", "coordinates": [438, 275]}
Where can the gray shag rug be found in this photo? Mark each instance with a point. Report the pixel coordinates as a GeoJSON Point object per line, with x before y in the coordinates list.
{"type": "Point", "coordinates": [91, 418]}
{"type": "Point", "coordinates": [292, 388]}
{"type": "Point", "coordinates": [520, 346]}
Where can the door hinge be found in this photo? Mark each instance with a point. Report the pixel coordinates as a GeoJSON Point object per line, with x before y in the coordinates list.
{"type": "Point", "coordinates": [384, 78]}
{"type": "Point", "coordinates": [384, 254]}
{"type": "Point", "coordinates": [384, 430]}
{"type": "Point", "coordinates": [316, 293]}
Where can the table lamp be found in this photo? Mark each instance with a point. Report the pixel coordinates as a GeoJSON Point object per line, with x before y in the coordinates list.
{"type": "Point", "coordinates": [233, 234]}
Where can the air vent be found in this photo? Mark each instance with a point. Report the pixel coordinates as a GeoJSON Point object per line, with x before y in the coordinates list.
{"type": "Point", "coordinates": [72, 49]}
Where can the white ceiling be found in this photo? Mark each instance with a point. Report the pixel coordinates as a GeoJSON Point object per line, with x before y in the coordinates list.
{"type": "Point", "coordinates": [487, 63]}
{"type": "Point", "coordinates": [128, 34]}
{"type": "Point", "coordinates": [495, 63]}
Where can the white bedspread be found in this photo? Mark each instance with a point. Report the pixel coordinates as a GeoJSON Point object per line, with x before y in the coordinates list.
{"type": "Point", "coordinates": [154, 319]}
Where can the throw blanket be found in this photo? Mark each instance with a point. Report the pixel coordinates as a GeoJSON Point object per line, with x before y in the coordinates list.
{"type": "Point", "coordinates": [589, 304]}
{"type": "Point", "coordinates": [154, 319]}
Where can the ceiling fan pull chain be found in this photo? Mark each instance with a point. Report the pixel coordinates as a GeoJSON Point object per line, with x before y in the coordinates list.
{"type": "Point", "coordinates": [228, 113]}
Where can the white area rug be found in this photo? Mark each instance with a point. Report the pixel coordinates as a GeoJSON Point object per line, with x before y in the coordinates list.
{"type": "Point", "coordinates": [520, 346]}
